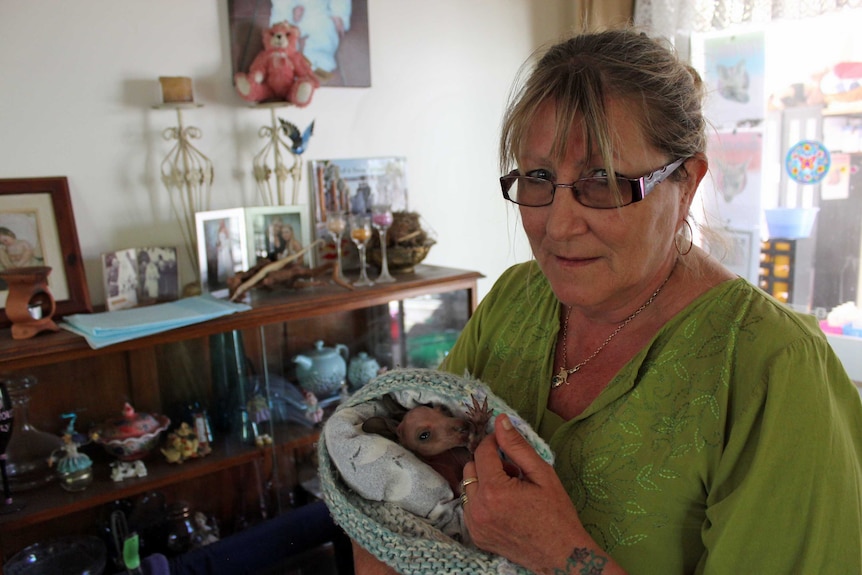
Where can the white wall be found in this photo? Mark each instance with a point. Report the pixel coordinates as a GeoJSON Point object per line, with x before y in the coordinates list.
{"type": "Point", "coordinates": [78, 81]}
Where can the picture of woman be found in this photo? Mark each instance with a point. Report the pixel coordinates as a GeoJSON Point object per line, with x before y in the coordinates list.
{"type": "Point", "coordinates": [290, 245]}
{"type": "Point", "coordinates": [224, 249]}
{"type": "Point", "coordinates": [19, 240]}
{"type": "Point", "coordinates": [16, 252]}
{"type": "Point", "coordinates": [221, 248]}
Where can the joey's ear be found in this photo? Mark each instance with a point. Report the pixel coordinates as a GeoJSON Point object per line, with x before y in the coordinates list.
{"type": "Point", "coordinates": [393, 408]}
{"type": "Point", "coordinates": [444, 409]}
{"type": "Point", "coordinates": [382, 426]}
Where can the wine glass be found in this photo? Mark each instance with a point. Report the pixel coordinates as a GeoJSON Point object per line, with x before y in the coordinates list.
{"type": "Point", "coordinates": [335, 224]}
{"type": "Point", "coordinates": [381, 219]}
{"type": "Point", "coordinates": [360, 233]}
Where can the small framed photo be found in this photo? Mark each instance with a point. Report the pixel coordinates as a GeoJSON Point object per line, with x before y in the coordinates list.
{"type": "Point", "coordinates": [275, 232]}
{"type": "Point", "coordinates": [37, 228]}
{"type": "Point", "coordinates": [353, 186]}
{"type": "Point", "coordinates": [222, 248]}
{"type": "Point", "coordinates": [158, 276]}
{"type": "Point", "coordinates": [140, 276]}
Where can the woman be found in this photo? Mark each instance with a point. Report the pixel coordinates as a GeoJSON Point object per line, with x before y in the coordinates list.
{"type": "Point", "coordinates": [224, 250]}
{"type": "Point", "coordinates": [290, 245]}
{"type": "Point", "coordinates": [699, 426]}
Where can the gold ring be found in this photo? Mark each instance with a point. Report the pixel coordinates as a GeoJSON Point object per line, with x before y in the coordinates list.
{"type": "Point", "coordinates": [468, 481]}
{"type": "Point", "coordinates": [464, 499]}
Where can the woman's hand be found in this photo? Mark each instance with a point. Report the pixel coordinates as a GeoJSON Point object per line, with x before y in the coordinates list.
{"type": "Point", "coordinates": [529, 520]}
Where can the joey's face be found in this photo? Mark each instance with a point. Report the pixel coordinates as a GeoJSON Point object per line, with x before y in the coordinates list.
{"type": "Point", "coordinates": [429, 431]}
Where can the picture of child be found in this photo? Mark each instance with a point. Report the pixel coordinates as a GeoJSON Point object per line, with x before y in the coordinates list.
{"type": "Point", "coordinates": [16, 252]}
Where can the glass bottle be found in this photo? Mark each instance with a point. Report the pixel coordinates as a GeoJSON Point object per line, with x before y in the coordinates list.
{"type": "Point", "coordinates": [29, 449]}
{"type": "Point", "coordinates": [179, 528]}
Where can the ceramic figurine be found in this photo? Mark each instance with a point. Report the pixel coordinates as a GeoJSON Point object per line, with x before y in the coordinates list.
{"type": "Point", "coordinates": [120, 470]}
{"type": "Point", "coordinates": [205, 530]}
{"type": "Point", "coordinates": [74, 469]}
{"type": "Point", "coordinates": [263, 440]}
{"type": "Point", "coordinates": [183, 444]}
{"type": "Point", "coordinates": [314, 412]}
{"type": "Point", "coordinates": [258, 412]}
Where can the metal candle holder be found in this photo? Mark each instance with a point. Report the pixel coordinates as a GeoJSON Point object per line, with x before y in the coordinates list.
{"type": "Point", "coordinates": [277, 150]}
{"type": "Point", "coordinates": [188, 176]}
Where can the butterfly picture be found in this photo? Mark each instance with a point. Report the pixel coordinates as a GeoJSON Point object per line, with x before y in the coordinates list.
{"type": "Point", "coordinates": [807, 162]}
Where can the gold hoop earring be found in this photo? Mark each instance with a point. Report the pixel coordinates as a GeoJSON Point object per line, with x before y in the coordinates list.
{"type": "Point", "coordinates": [688, 236]}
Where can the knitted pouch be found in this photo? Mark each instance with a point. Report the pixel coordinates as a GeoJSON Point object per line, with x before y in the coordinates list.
{"type": "Point", "coordinates": [390, 502]}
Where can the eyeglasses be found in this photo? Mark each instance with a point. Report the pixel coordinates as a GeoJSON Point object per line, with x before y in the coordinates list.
{"type": "Point", "coordinates": [593, 192]}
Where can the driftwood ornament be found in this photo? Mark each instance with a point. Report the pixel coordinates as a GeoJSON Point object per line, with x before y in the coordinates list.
{"type": "Point", "coordinates": [278, 273]}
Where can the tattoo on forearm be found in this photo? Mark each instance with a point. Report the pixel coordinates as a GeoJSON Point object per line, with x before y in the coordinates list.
{"type": "Point", "coordinates": [583, 561]}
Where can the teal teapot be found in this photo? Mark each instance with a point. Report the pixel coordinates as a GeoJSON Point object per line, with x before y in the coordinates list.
{"type": "Point", "coordinates": [322, 371]}
{"type": "Point", "coordinates": [362, 369]}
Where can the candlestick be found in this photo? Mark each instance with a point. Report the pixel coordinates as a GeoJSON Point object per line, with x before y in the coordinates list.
{"type": "Point", "coordinates": [277, 148]}
{"type": "Point", "coordinates": [176, 89]}
{"type": "Point", "coordinates": [188, 176]}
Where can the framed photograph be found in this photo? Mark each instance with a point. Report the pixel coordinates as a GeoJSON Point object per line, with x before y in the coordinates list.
{"type": "Point", "coordinates": [354, 185]}
{"type": "Point", "coordinates": [733, 68]}
{"type": "Point", "coordinates": [275, 232]}
{"type": "Point", "coordinates": [743, 257]}
{"type": "Point", "coordinates": [37, 228]}
{"type": "Point", "coordinates": [120, 272]}
{"type": "Point", "coordinates": [222, 248]}
{"type": "Point", "coordinates": [333, 36]}
{"type": "Point", "coordinates": [140, 276]}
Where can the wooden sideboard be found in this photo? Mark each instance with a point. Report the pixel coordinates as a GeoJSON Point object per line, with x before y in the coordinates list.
{"type": "Point", "coordinates": [238, 483]}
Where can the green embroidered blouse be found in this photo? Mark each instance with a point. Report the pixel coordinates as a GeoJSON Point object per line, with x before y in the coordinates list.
{"type": "Point", "coordinates": [732, 443]}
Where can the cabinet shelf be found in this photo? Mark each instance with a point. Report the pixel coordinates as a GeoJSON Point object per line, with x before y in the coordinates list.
{"type": "Point", "coordinates": [52, 502]}
{"type": "Point", "coordinates": [267, 307]}
{"type": "Point", "coordinates": [160, 371]}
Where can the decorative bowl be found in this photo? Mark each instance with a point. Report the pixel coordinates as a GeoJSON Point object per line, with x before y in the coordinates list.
{"type": "Point", "coordinates": [131, 436]}
{"type": "Point", "coordinates": [84, 555]}
{"type": "Point", "coordinates": [401, 259]}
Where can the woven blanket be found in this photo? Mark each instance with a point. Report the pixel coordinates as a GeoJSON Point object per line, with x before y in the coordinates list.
{"type": "Point", "coordinates": [387, 499]}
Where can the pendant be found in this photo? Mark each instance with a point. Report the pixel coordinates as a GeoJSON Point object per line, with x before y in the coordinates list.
{"type": "Point", "coordinates": [560, 378]}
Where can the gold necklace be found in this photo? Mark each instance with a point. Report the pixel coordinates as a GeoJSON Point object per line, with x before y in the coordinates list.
{"type": "Point", "coordinates": [563, 376]}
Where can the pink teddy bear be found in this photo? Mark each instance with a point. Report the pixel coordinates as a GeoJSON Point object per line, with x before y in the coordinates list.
{"type": "Point", "coordinates": [279, 71]}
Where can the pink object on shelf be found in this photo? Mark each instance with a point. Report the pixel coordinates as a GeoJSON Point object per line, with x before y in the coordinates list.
{"type": "Point", "coordinates": [833, 329]}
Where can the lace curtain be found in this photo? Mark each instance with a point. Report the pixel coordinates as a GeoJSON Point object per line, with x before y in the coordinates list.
{"type": "Point", "coordinates": [669, 18]}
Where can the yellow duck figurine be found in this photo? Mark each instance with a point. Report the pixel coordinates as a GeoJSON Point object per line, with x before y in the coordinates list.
{"type": "Point", "coordinates": [182, 444]}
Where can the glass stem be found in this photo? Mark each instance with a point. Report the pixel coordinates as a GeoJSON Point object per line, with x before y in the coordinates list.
{"type": "Point", "coordinates": [363, 275]}
{"type": "Point", "coordinates": [384, 271]}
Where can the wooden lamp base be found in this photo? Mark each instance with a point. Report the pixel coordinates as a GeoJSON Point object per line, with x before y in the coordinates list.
{"type": "Point", "coordinates": [29, 305]}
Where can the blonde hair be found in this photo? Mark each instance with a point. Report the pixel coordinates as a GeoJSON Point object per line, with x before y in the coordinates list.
{"type": "Point", "coordinates": [580, 75]}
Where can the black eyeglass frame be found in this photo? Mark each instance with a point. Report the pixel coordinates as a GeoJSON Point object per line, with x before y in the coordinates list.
{"type": "Point", "coordinates": [641, 187]}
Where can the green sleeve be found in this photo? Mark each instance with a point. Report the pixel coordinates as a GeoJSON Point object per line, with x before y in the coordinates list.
{"type": "Point", "coordinates": [785, 497]}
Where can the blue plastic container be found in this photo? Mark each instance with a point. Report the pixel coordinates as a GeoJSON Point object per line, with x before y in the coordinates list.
{"type": "Point", "coordinates": [790, 223]}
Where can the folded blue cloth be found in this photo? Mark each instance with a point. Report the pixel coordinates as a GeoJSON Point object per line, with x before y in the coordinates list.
{"type": "Point", "coordinates": [103, 329]}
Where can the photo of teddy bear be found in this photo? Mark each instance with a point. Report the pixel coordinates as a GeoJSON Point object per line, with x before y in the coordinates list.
{"type": "Point", "coordinates": [279, 71]}
{"type": "Point", "coordinates": [333, 37]}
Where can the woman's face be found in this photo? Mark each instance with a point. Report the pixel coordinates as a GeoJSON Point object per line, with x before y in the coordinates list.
{"type": "Point", "coordinates": [602, 261]}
